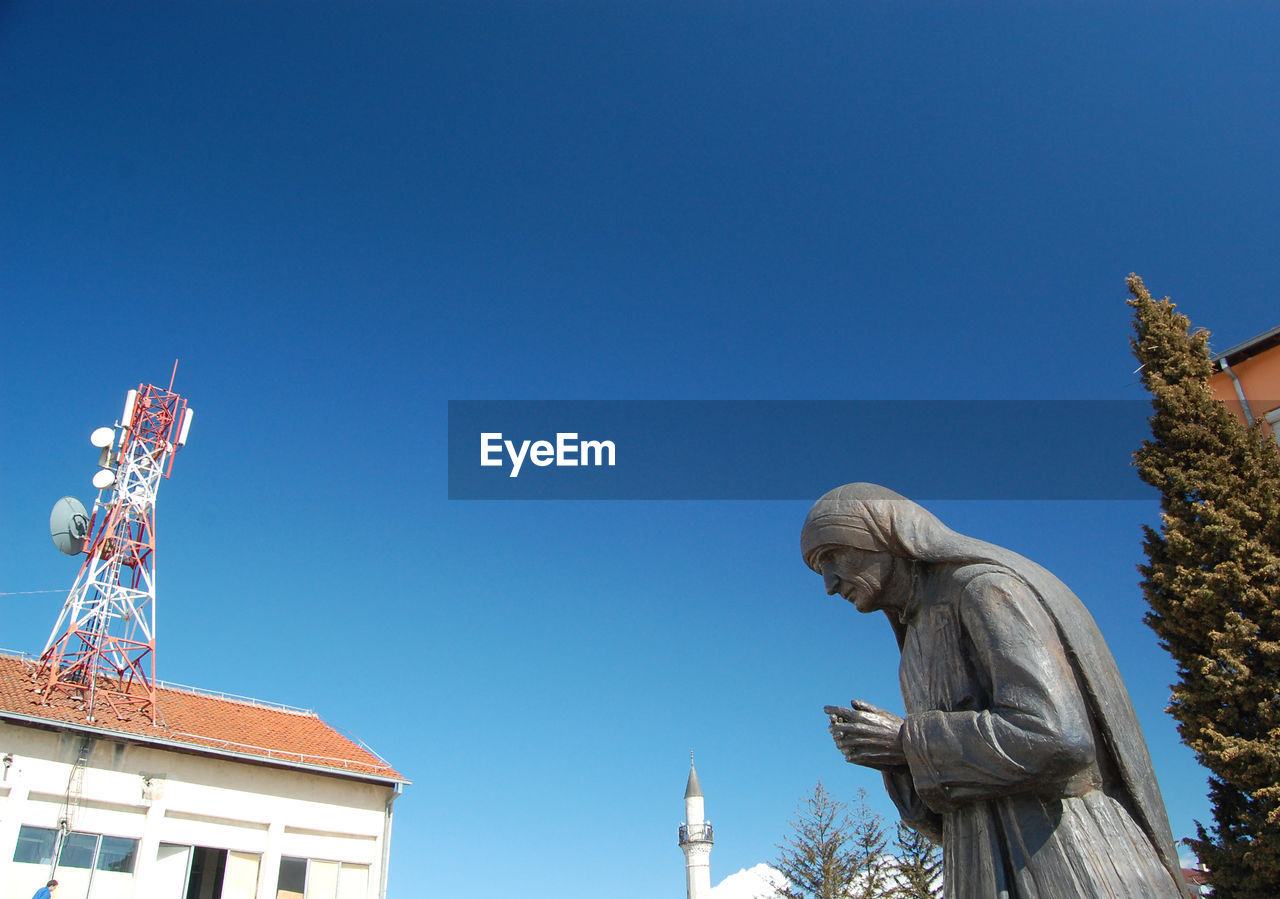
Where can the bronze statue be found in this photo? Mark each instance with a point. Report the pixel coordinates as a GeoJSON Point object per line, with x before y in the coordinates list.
{"type": "Point", "coordinates": [1020, 753]}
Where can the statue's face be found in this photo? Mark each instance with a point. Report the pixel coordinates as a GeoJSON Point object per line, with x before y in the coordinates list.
{"type": "Point", "coordinates": [858, 575]}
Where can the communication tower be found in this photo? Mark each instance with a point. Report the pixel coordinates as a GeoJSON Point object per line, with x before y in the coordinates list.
{"type": "Point", "coordinates": [101, 654]}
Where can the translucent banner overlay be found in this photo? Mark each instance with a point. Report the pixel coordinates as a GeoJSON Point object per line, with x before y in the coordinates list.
{"type": "Point", "coordinates": [795, 450]}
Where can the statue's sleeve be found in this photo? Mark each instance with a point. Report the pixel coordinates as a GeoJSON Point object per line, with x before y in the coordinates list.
{"type": "Point", "coordinates": [911, 808]}
{"type": "Point", "coordinates": [1030, 732]}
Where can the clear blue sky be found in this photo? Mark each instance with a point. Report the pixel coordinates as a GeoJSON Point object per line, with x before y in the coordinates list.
{"type": "Point", "coordinates": [340, 216]}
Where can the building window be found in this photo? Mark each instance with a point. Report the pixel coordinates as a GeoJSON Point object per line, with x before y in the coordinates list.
{"type": "Point", "coordinates": [78, 850]}
{"type": "Point", "coordinates": [302, 878]}
{"type": "Point", "coordinates": [202, 872]}
{"type": "Point", "coordinates": [1273, 419]}
{"type": "Point", "coordinates": [293, 878]}
{"type": "Point", "coordinates": [35, 845]}
{"type": "Point", "coordinates": [117, 854]}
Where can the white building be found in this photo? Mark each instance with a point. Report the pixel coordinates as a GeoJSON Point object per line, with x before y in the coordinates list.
{"type": "Point", "coordinates": [224, 798]}
{"type": "Point", "coordinates": [696, 838]}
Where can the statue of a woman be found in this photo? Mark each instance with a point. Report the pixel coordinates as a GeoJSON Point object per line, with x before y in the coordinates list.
{"type": "Point", "coordinates": [1020, 752]}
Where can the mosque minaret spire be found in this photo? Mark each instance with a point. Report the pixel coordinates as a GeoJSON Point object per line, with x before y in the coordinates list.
{"type": "Point", "coordinates": [695, 839]}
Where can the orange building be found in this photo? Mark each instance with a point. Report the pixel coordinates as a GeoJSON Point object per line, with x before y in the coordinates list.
{"type": "Point", "coordinates": [1247, 378]}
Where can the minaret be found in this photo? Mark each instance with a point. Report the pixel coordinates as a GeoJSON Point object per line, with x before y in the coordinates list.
{"type": "Point", "coordinates": [695, 839]}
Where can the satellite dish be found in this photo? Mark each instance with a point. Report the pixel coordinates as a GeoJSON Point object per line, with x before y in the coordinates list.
{"type": "Point", "coordinates": [104, 478]}
{"type": "Point", "coordinates": [69, 525]}
{"type": "Point", "coordinates": [102, 437]}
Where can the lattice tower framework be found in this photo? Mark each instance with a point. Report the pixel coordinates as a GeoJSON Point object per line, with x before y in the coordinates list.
{"type": "Point", "coordinates": [101, 653]}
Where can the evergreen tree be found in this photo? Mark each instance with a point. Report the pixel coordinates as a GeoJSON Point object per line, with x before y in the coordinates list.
{"type": "Point", "coordinates": [917, 874]}
{"type": "Point", "coordinates": [1213, 584]}
{"type": "Point", "coordinates": [829, 854]}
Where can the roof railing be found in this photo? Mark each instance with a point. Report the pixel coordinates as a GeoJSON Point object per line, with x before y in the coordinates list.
{"type": "Point", "coordinates": [695, 833]}
{"type": "Point", "coordinates": [283, 755]}
{"type": "Point", "coordinates": [236, 697]}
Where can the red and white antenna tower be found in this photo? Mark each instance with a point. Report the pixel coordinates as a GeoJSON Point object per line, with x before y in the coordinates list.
{"type": "Point", "coordinates": [101, 655]}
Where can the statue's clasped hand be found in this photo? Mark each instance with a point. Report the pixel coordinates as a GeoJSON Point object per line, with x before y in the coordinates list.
{"type": "Point", "coordinates": [867, 735]}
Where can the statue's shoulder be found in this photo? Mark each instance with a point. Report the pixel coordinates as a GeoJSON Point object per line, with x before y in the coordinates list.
{"type": "Point", "coordinates": [972, 585]}
{"type": "Point", "coordinates": [977, 577]}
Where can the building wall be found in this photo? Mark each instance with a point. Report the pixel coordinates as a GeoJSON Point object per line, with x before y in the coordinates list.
{"type": "Point", "coordinates": [169, 800]}
{"type": "Point", "coordinates": [1259, 378]}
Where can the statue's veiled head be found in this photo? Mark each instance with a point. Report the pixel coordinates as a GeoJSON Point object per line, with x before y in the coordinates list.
{"type": "Point", "coordinates": [851, 531]}
{"type": "Point", "coordinates": [850, 538]}
{"type": "Point", "coordinates": [872, 518]}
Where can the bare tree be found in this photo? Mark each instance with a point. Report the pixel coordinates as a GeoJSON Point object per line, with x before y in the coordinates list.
{"type": "Point", "coordinates": [917, 873]}
{"type": "Point", "coordinates": [833, 851]}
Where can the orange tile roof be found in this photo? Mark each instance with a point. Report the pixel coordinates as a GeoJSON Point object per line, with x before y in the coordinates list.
{"type": "Point", "coordinates": [1195, 877]}
{"type": "Point", "coordinates": [202, 722]}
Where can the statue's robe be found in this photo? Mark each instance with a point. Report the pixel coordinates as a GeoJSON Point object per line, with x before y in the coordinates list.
{"type": "Point", "coordinates": [1021, 761]}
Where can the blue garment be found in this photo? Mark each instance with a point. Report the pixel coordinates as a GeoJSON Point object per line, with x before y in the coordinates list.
{"type": "Point", "coordinates": [43, 893]}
